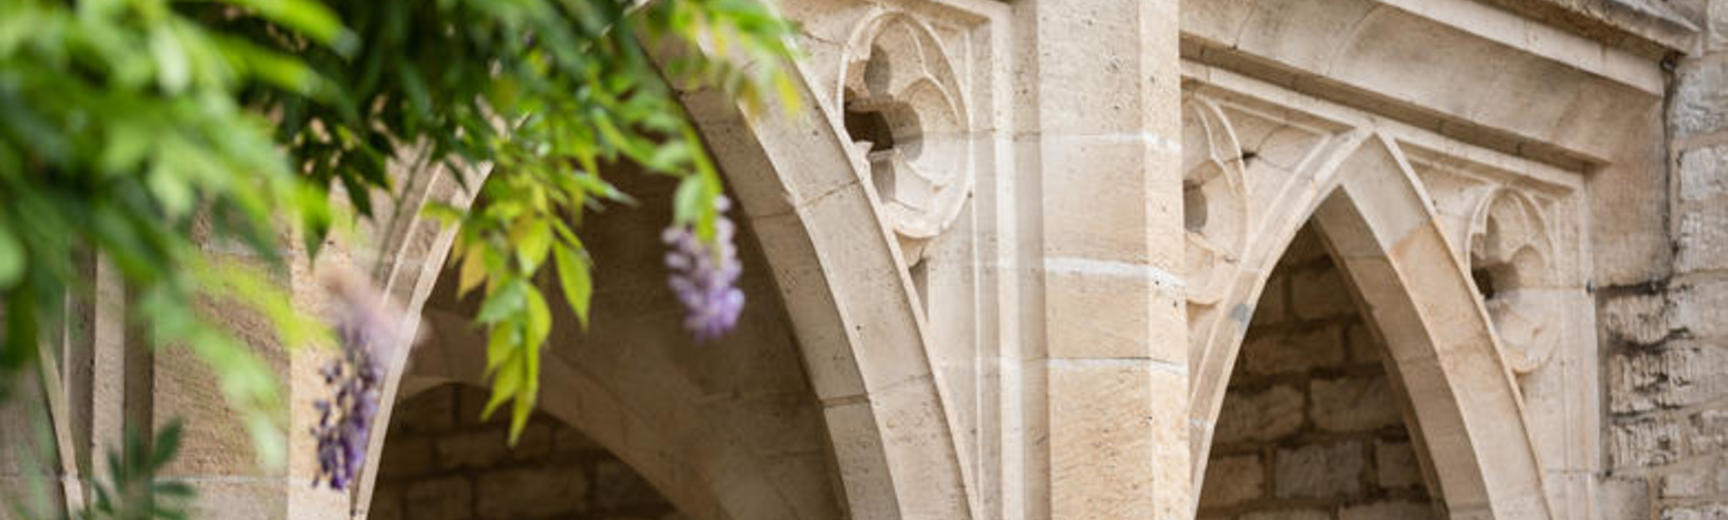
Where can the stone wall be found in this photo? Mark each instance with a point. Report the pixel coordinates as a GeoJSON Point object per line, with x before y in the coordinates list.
{"type": "Point", "coordinates": [1312, 428]}
{"type": "Point", "coordinates": [1666, 341]}
{"type": "Point", "coordinates": [442, 463]}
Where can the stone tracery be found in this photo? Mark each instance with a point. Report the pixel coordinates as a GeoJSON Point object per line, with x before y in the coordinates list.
{"type": "Point", "coordinates": [907, 115]}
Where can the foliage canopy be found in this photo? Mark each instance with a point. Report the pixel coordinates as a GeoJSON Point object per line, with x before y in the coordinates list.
{"type": "Point", "coordinates": [184, 140]}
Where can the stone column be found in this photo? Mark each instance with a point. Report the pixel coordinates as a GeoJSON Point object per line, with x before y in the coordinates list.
{"type": "Point", "coordinates": [1105, 359]}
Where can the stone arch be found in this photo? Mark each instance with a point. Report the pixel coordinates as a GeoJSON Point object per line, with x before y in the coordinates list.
{"type": "Point", "coordinates": [1369, 205]}
{"type": "Point", "coordinates": [838, 271]}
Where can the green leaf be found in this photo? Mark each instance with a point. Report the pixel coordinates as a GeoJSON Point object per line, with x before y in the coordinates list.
{"type": "Point", "coordinates": [173, 71]}
{"type": "Point", "coordinates": [166, 444]}
{"type": "Point", "coordinates": [539, 319]}
{"type": "Point", "coordinates": [504, 387]}
{"type": "Point", "coordinates": [506, 302]}
{"type": "Point", "coordinates": [473, 269]}
{"type": "Point", "coordinates": [533, 239]}
{"type": "Point", "coordinates": [573, 275]}
{"type": "Point", "coordinates": [687, 201]}
{"type": "Point", "coordinates": [11, 257]}
{"type": "Point", "coordinates": [307, 16]}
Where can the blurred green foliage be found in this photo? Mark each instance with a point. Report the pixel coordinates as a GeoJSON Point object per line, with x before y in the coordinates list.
{"type": "Point", "coordinates": [135, 491]}
{"type": "Point", "coordinates": [184, 140]}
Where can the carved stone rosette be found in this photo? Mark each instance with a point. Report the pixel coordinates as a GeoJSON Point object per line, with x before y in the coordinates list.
{"type": "Point", "coordinates": [906, 112]}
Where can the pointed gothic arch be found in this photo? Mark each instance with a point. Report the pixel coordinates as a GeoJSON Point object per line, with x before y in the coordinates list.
{"type": "Point", "coordinates": [840, 276]}
{"type": "Point", "coordinates": [1368, 203]}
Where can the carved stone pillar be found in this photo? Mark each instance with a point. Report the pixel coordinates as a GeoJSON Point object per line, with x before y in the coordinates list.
{"type": "Point", "coordinates": [1105, 364]}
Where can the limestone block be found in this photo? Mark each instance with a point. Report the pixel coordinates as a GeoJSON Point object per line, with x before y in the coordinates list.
{"type": "Point", "coordinates": [1233, 479]}
{"type": "Point", "coordinates": [448, 498]}
{"type": "Point", "coordinates": [386, 505]}
{"type": "Point", "coordinates": [471, 450]}
{"type": "Point", "coordinates": [1265, 415]}
{"type": "Point", "coordinates": [1354, 404]}
{"type": "Point", "coordinates": [528, 492]}
{"type": "Point", "coordinates": [1387, 510]}
{"type": "Point", "coordinates": [1297, 351]}
{"type": "Point", "coordinates": [1716, 511]}
{"type": "Point", "coordinates": [616, 486]}
{"type": "Point", "coordinates": [405, 457]}
{"type": "Point", "coordinates": [1680, 374]}
{"type": "Point", "coordinates": [1103, 441]}
{"type": "Point", "coordinates": [1640, 319]}
{"type": "Point", "coordinates": [1292, 514]}
{"type": "Point", "coordinates": [1364, 343]}
{"type": "Point", "coordinates": [1644, 442]}
{"type": "Point", "coordinates": [535, 442]}
{"type": "Point", "coordinates": [1319, 470]}
{"type": "Point", "coordinates": [1078, 303]}
{"type": "Point", "coordinates": [1701, 309]}
{"type": "Point", "coordinates": [1699, 104]}
{"type": "Point", "coordinates": [1625, 498]}
{"type": "Point", "coordinates": [1703, 238]}
{"type": "Point", "coordinates": [1704, 172]}
{"type": "Point", "coordinates": [1688, 483]}
{"type": "Point", "coordinates": [1320, 294]}
{"type": "Point", "coordinates": [1395, 465]}
{"type": "Point", "coordinates": [1707, 431]}
{"type": "Point", "coordinates": [430, 412]}
{"type": "Point", "coordinates": [1717, 25]}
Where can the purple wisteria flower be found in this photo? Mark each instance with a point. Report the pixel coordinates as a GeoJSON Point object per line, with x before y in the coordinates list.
{"type": "Point", "coordinates": [705, 276]}
{"type": "Point", "coordinates": [365, 330]}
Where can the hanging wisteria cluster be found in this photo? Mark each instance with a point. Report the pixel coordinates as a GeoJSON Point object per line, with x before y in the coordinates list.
{"type": "Point", "coordinates": [705, 276]}
{"type": "Point", "coordinates": [364, 328]}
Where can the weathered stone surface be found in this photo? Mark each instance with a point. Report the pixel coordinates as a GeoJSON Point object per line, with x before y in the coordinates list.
{"type": "Point", "coordinates": [530, 492]}
{"type": "Point", "coordinates": [472, 449]}
{"type": "Point", "coordinates": [1320, 294]}
{"type": "Point", "coordinates": [1354, 404]}
{"type": "Point", "coordinates": [1676, 375]}
{"type": "Point", "coordinates": [1644, 442]}
{"type": "Point", "coordinates": [1707, 431]}
{"type": "Point", "coordinates": [1703, 174]}
{"type": "Point", "coordinates": [433, 411]}
{"type": "Point", "coordinates": [447, 498]}
{"type": "Point", "coordinates": [1318, 471]}
{"type": "Point", "coordinates": [1294, 351]}
{"type": "Point", "coordinates": [1364, 343]}
{"type": "Point", "coordinates": [407, 457]}
{"type": "Point", "coordinates": [1625, 498]}
{"type": "Point", "coordinates": [1395, 465]}
{"type": "Point", "coordinates": [1716, 511]}
{"type": "Point", "coordinates": [385, 506]}
{"type": "Point", "coordinates": [1687, 483]}
{"type": "Point", "coordinates": [1233, 479]}
{"type": "Point", "coordinates": [1699, 104]}
{"type": "Point", "coordinates": [1701, 308]}
{"type": "Point", "coordinates": [1264, 415]}
{"type": "Point", "coordinates": [1292, 514]}
{"type": "Point", "coordinates": [616, 487]}
{"type": "Point", "coordinates": [1387, 510]}
{"type": "Point", "coordinates": [1703, 239]}
{"type": "Point", "coordinates": [1640, 319]}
